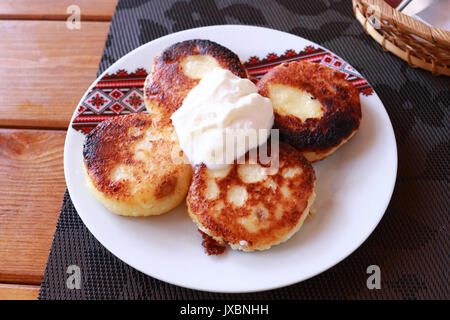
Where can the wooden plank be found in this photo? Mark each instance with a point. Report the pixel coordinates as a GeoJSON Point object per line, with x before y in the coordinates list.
{"type": "Point", "coordinates": [31, 190]}
{"type": "Point", "coordinates": [18, 292]}
{"type": "Point", "coordinates": [98, 10]}
{"type": "Point", "coordinates": [45, 68]}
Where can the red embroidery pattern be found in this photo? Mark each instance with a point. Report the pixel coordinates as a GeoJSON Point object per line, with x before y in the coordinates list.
{"type": "Point", "coordinates": [114, 94]}
{"type": "Point", "coordinates": [122, 92]}
{"type": "Point", "coordinates": [258, 67]}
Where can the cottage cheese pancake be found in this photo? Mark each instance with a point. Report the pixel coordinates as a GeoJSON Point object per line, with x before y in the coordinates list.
{"type": "Point", "coordinates": [180, 67]}
{"type": "Point", "coordinates": [134, 165]}
{"type": "Point", "coordinates": [250, 207]}
{"type": "Point", "coordinates": [316, 109]}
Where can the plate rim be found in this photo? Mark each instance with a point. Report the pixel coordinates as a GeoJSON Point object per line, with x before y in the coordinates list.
{"type": "Point", "coordinates": [348, 252]}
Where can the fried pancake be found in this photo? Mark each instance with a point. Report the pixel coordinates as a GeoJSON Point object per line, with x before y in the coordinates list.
{"type": "Point", "coordinates": [316, 109]}
{"type": "Point", "coordinates": [180, 67]}
{"type": "Point", "coordinates": [250, 207]}
{"type": "Point", "coordinates": [134, 165]}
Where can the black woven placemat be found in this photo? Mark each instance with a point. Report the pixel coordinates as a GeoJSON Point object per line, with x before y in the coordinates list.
{"type": "Point", "coordinates": [410, 245]}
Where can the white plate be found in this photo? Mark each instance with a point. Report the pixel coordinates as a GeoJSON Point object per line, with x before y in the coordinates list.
{"type": "Point", "coordinates": [354, 187]}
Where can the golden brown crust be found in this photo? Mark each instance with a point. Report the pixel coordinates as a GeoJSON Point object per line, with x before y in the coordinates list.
{"type": "Point", "coordinates": [166, 187]}
{"type": "Point", "coordinates": [106, 146]}
{"type": "Point", "coordinates": [339, 99]}
{"type": "Point", "coordinates": [134, 165]}
{"type": "Point", "coordinates": [277, 216]}
{"type": "Point", "coordinates": [167, 85]}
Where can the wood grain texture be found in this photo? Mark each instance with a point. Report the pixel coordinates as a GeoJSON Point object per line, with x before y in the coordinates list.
{"type": "Point", "coordinates": [18, 292]}
{"type": "Point", "coordinates": [98, 10]}
{"type": "Point", "coordinates": [31, 190]}
{"type": "Point", "coordinates": [45, 68]}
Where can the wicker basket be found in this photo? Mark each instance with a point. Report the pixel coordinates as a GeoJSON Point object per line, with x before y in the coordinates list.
{"type": "Point", "coordinates": [409, 39]}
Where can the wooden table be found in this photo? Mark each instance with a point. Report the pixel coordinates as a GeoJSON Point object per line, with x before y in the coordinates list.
{"type": "Point", "coordinates": [45, 69]}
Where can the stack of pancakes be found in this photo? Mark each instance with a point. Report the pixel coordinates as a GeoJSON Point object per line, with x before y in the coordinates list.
{"type": "Point", "coordinates": [135, 167]}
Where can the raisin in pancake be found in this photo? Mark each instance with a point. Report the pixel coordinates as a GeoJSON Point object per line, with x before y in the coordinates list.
{"type": "Point", "coordinates": [180, 67]}
{"type": "Point", "coordinates": [249, 206]}
{"type": "Point", "coordinates": [315, 108]}
{"type": "Point", "coordinates": [134, 165]}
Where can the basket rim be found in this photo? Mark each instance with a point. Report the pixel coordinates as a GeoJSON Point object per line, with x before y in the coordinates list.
{"type": "Point", "coordinates": [407, 55]}
{"type": "Point", "coordinates": [408, 23]}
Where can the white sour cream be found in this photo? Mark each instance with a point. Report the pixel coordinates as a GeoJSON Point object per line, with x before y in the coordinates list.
{"type": "Point", "coordinates": [220, 118]}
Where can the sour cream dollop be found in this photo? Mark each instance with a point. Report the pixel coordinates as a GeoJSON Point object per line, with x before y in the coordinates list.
{"type": "Point", "coordinates": [220, 118]}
